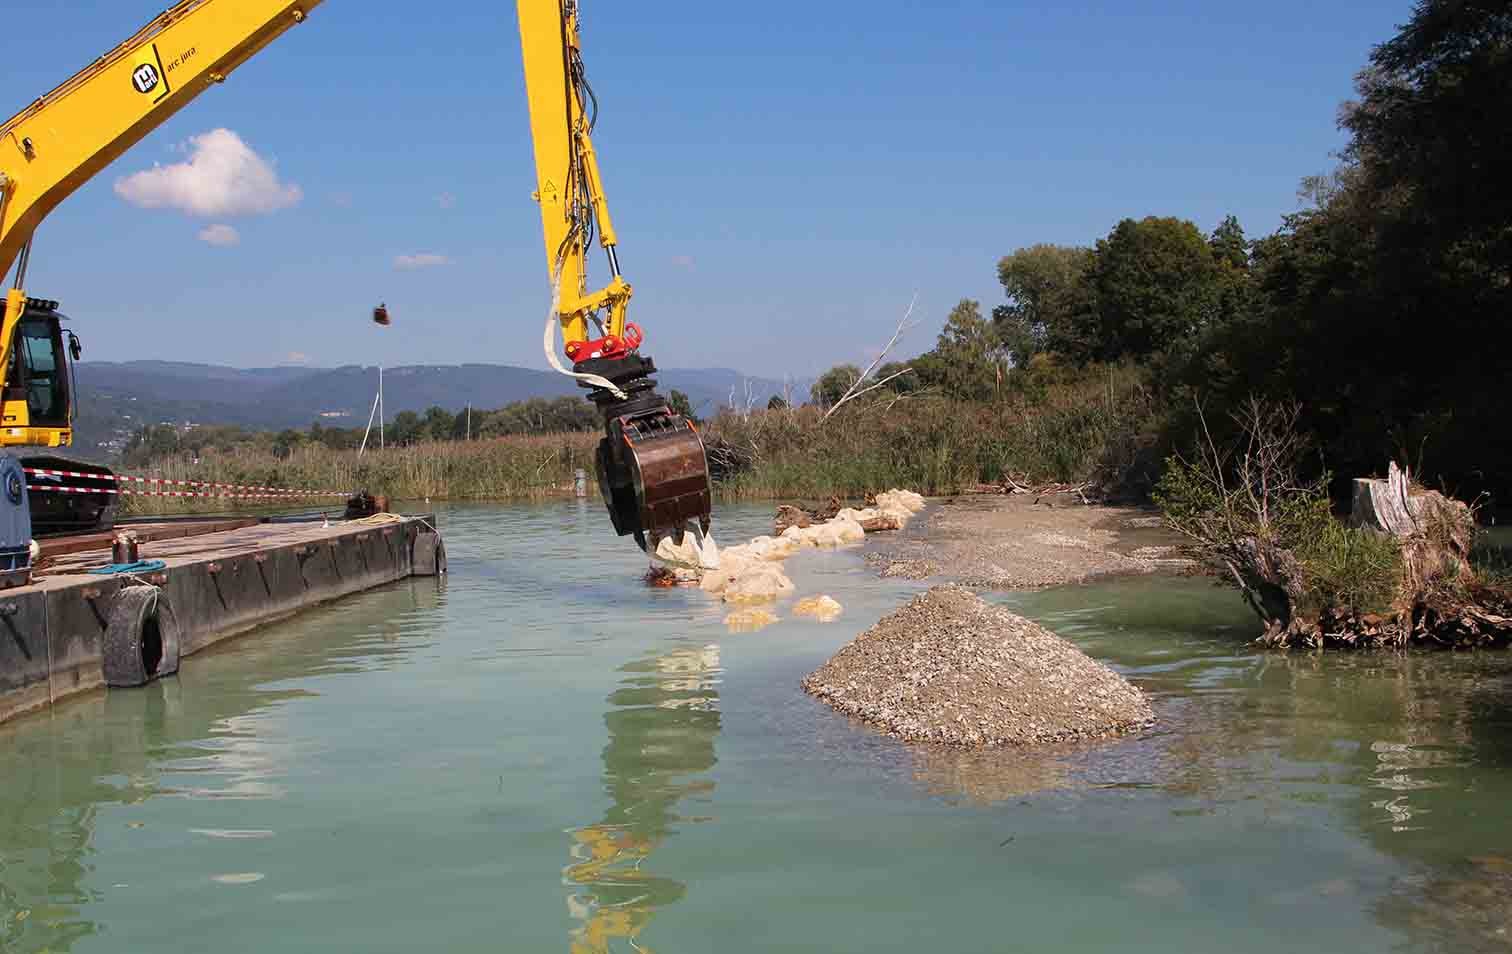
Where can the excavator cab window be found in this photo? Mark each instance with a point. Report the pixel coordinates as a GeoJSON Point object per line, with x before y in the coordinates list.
{"type": "Point", "coordinates": [39, 370]}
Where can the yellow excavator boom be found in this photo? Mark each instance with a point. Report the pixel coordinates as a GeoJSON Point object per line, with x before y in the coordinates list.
{"type": "Point", "coordinates": [652, 467]}
{"type": "Point", "coordinates": [64, 138]}
{"type": "Point", "coordinates": [569, 187]}
{"type": "Point", "coordinates": [67, 136]}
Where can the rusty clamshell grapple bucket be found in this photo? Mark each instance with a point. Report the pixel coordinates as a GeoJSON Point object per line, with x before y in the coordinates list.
{"type": "Point", "coordinates": [651, 466]}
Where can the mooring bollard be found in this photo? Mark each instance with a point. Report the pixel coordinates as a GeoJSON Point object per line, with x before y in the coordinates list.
{"type": "Point", "coordinates": [580, 483]}
{"type": "Point", "coordinates": [123, 549]}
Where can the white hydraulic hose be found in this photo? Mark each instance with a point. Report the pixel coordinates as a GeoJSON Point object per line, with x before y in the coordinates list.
{"type": "Point", "coordinates": [549, 341]}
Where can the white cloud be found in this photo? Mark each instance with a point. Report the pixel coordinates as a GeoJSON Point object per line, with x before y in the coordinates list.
{"type": "Point", "coordinates": [446, 200]}
{"type": "Point", "coordinates": [223, 176]}
{"type": "Point", "coordinates": [421, 260]}
{"type": "Point", "coordinates": [297, 357]}
{"type": "Point", "coordinates": [221, 236]}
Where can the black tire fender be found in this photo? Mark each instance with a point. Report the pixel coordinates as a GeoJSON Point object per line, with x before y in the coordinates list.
{"type": "Point", "coordinates": [142, 638]}
{"type": "Point", "coordinates": [428, 555]}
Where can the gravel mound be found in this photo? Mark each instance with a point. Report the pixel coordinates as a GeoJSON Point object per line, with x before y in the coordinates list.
{"type": "Point", "coordinates": [952, 668]}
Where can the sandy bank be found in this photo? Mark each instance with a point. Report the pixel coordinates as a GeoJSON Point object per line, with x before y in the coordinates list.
{"type": "Point", "coordinates": [1014, 543]}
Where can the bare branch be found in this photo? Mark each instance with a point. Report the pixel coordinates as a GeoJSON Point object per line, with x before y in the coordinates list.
{"type": "Point", "coordinates": [853, 394]}
{"type": "Point", "coordinates": [856, 390]}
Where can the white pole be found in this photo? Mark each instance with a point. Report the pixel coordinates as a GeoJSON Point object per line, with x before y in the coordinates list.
{"type": "Point", "coordinates": [381, 411]}
{"type": "Point", "coordinates": [365, 434]}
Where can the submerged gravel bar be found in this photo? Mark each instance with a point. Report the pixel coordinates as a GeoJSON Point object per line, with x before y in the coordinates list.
{"type": "Point", "coordinates": [951, 668]}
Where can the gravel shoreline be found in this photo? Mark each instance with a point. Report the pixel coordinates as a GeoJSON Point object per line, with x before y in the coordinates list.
{"type": "Point", "coordinates": [1019, 542]}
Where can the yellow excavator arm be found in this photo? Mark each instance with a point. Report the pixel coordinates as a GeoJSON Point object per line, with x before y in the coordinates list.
{"type": "Point", "coordinates": [66, 137]}
{"type": "Point", "coordinates": [652, 468]}
{"type": "Point", "coordinates": [569, 188]}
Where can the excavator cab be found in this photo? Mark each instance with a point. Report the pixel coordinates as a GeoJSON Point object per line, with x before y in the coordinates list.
{"type": "Point", "coordinates": [38, 407]}
{"type": "Point", "coordinates": [37, 410]}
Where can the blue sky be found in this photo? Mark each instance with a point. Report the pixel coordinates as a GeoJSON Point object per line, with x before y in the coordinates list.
{"type": "Point", "coordinates": [784, 176]}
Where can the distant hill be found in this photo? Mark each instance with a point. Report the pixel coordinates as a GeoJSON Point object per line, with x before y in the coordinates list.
{"type": "Point", "coordinates": [116, 398]}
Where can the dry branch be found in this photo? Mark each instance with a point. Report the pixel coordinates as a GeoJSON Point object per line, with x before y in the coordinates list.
{"type": "Point", "coordinates": [856, 390]}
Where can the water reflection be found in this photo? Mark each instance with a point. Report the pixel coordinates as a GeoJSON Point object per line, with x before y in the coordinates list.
{"type": "Point", "coordinates": [1412, 747]}
{"type": "Point", "coordinates": [211, 725]}
{"type": "Point", "coordinates": [662, 726]}
{"type": "Point", "coordinates": [990, 776]}
{"type": "Point", "coordinates": [1411, 750]}
{"type": "Point", "coordinates": [1466, 909]}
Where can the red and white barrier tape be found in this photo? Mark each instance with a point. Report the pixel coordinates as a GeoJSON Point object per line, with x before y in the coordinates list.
{"type": "Point", "coordinates": [122, 492]}
{"type": "Point", "coordinates": [139, 480]}
{"type": "Point", "coordinates": [122, 478]}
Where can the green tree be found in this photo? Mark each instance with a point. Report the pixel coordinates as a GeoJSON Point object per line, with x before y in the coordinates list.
{"type": "Point", "coordinates": [336, 438]}
{"type": "Point", "coordinates": [1229, 245]}
{"type": "Point", "coordinates": [1049, 297]}
{"type": "Point", "coordinates": [405, 428]}
{"type": "Point", "coordinates": [1382, 307]}
{"type": "Point", "coordinates": [833, 384]}
{"type": "Point", "coordinates": [1235, 302]}
{"type": "Point", "coordinates": [287, 441]}
{"type": "Point", "coordinates": [437, 424]}
{"type": "Point", "coordinates": [904, 379]}
{"type": "Point", "coordinates": [971, 353]}
{"type": "Point", "coordinates": [150, 443]}
{"type": "Point", "coordinates": [931, 372]}
{"type": "Point", "coordinates": [777, 403]}
{"type": "Point", "coordinates": [679, 403]}
{"type": "Point", "coordinates": [1157, 285]}
{"type": "Point", "coordinates": [1430, 125]}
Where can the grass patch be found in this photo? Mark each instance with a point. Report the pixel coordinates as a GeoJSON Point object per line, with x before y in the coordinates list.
{"type": "Point", "coordinates": [1349, 570]}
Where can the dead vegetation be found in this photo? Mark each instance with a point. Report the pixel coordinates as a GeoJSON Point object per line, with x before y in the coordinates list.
{"type": "Point", "coordinates": [1399, 572]}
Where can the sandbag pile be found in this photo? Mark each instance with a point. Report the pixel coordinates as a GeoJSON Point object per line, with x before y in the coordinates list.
{"type": "Point", "coordinates": [838, 525]}
{"type": "Point", "coordinates": [823, 608]}
{"type": "Point", "coordinates": [751, 573]}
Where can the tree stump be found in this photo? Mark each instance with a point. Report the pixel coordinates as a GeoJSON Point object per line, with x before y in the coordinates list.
{"type": "Point", "coordinates": [1386, 505]}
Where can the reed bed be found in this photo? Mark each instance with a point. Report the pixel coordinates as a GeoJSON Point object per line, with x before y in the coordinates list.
{"type": "Point", "coordinates": [1087, 431]}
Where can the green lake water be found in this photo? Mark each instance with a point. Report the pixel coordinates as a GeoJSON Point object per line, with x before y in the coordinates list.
{"type": "Point", "coordinates": [539, 754]}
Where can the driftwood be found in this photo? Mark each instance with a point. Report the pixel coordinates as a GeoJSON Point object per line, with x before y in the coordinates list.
{"type": "Point", "coordinates": [792, 516]}
{"type": "Point", "coordinates": [1011, 485]}
{"type": "Point", "coordinates": [881, 522]}
{"type": "Point", "coordinates": [789, 515]}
